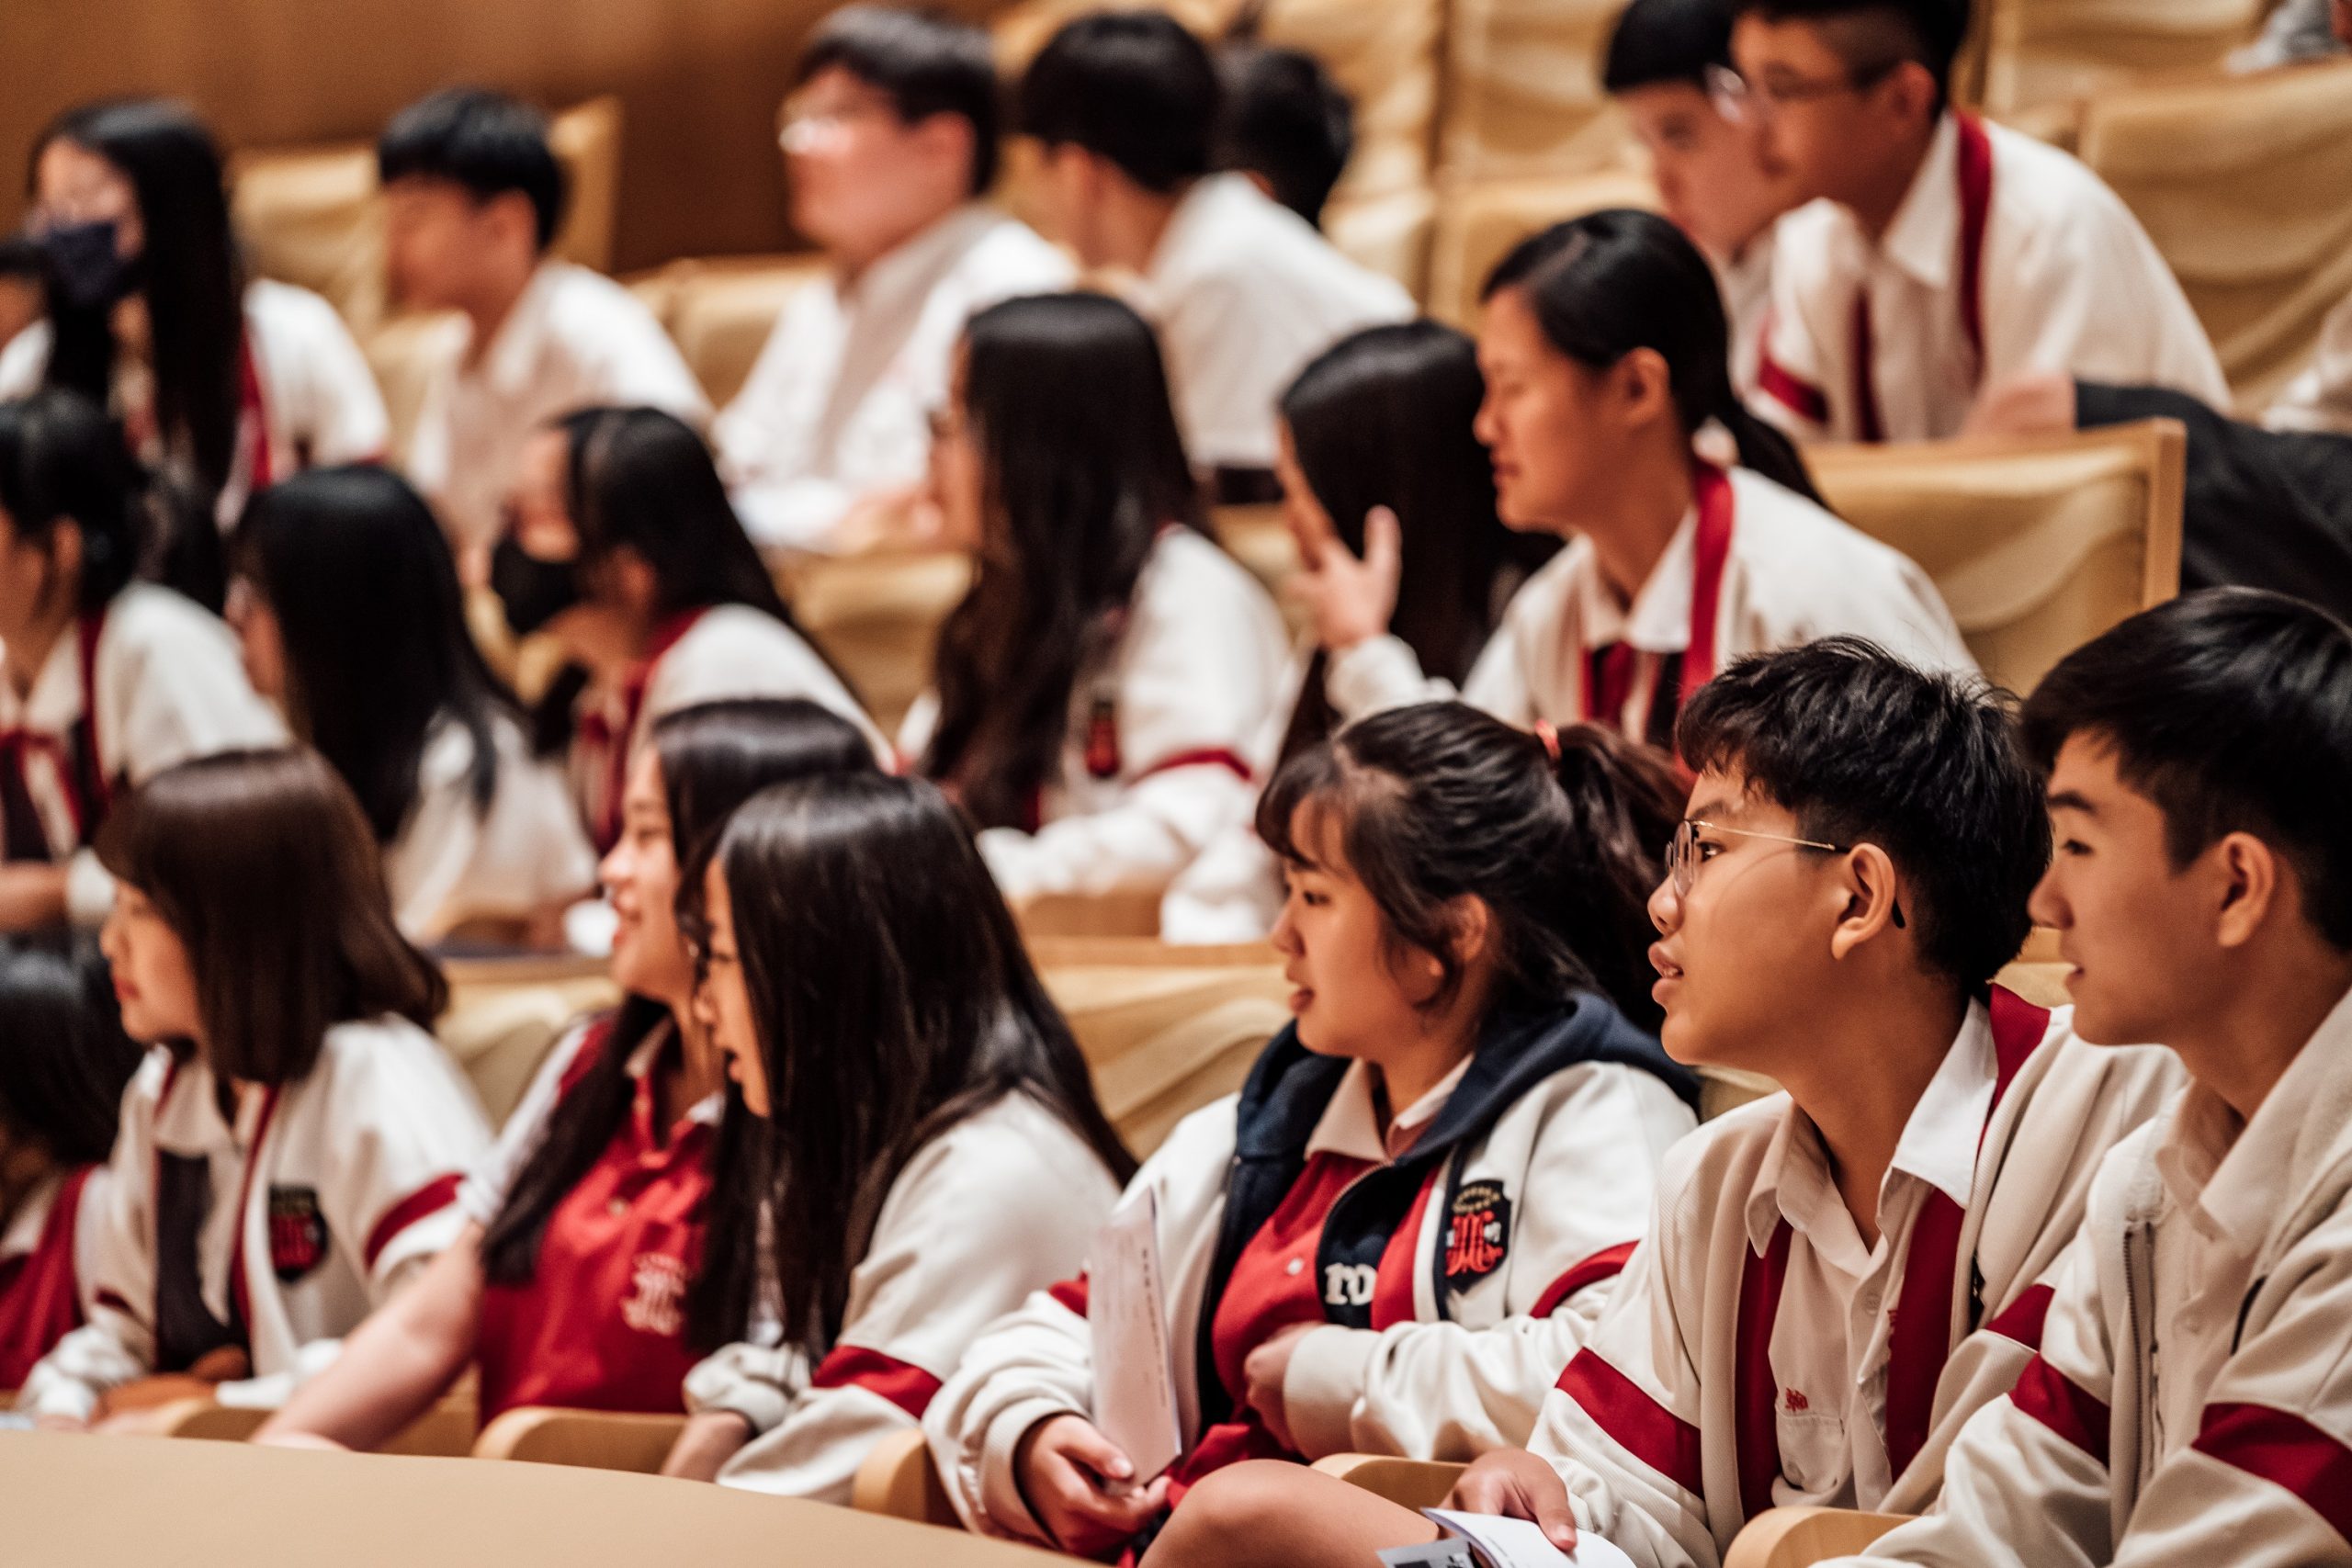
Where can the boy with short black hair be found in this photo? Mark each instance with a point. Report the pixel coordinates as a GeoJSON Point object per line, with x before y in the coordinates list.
{"type": "Point", "coordinates": [1946, 254]}
{"type": "Point", "coordinates": [1243, 293]}
{"type": "Point", "coordinates": [1712, 178]}
{"type": "Point", "coordinates": [1285, 123]}
{"type": "Point", "coordinates": [474, 198]}
{"type": "Point", "coordinates": [1837, 1275]}
{"type": "Point", "coordinates": [891, 139]}
{"type": "Point", "coordinates": [2192, 1399]}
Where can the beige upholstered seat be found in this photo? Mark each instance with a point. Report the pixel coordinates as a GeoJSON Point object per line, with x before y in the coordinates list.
{"type": "Point", "coordinates": [2245, 185]}
{"type": "Point", "coordinates": [2040, 50]}
{"type": "Point", "coordinates": [1521, 90]}
{"type": "Point", "coordinates": [878, 618]}
{"type": "Point", "coordinates": [1479, 222]}
{"type": "Point", "coordinates": [1798, 1538]}
{"type": "Point", "coordinates": [2036, 545]}
{"type": "Point", "coordinates": [720, 310]}
{"type": "Point", "coordinates": [593, 1440]}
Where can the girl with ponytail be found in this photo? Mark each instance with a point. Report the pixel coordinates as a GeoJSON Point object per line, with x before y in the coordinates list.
{"type": "Point", "coordinates": [1606, 358]}
{"type": "Point", "coordinates": [1409, 1218]}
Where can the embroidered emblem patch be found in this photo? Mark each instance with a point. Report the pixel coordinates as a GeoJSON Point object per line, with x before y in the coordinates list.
{"type": "Point", "coordinates": [1478, 1230]}
{"type": "Point", "coordinates": [1102, 739]}
{"type": "Point", "coordinates": [297, 1233]}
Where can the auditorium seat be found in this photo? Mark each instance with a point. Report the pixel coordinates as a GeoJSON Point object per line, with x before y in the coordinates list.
{"type": "Point", "coordinates": [2037, 51]}
{"type": "Point", "coordinates": [1798, 1538]}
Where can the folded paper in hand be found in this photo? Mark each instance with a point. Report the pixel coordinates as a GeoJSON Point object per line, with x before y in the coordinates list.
{"type": "Point", "coordinates": [1489, 1541]}
{"type": "Point", "coordinates": [1127, 1315]}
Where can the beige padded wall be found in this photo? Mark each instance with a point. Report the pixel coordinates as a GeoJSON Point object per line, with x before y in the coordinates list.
{"type": "Point", "coordinates": [2038, 52]}
{"type": "Point", "coordinates": [1521, 90]}
{"type": "Point", "coordinates": [2245, 185]}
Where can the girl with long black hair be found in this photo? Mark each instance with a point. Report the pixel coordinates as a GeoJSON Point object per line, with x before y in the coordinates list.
{"type": "Point", "coordinates": [675, 606]}
{"type": "Point", "coordinates": [105, 680]}
{"type": "Point", "coordinates": [1411, 1217]}
{"type": "Point", "coordinates": [347, 600]}
{"type": "Point", "coordinates": [932, 1150]}
{"type": "Point", "coordinates": [604, 1232]}
{"type": "Point", "coordinates": [224, 383]}
{"type": "Point", "coordinates": [1606, 357]}
{"type": "Point", "coordinates": [1381, 421]}
{"type": "Point", "coordinates": [62, 1079]}
{"type": "Point", "coordinates": [1099, 691]}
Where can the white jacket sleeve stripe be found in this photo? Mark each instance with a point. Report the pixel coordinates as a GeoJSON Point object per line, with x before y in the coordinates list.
{"type": "Point", "coordinates": [1639, 1425]}
{"type": "Point", "coordinates": [2052, 1398]}
{"type": "Point", "coordinates": [903, 1384]}
{"type": "Point", "coordinates": [2280, 1446]}
{"type": "Point", "coordinates": [426, 1202]}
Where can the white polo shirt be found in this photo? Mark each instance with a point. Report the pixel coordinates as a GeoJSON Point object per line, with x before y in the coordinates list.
{"type": "Point", "coordinates": [574, 340]}
{"type": "Point", "coordinates": [2005, 256]}
{"type": "Point", "coordinates": [1781, 571]}
{"type": "Point", "coordinates": [1245, 292]}
{"type": "Point", "coordinates": [839, 404]}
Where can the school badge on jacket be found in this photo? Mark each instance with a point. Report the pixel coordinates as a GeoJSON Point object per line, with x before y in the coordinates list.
{"type": "Point", "coordinates": [1478, 1237]}
{"type": "Point", "coordinates": [297, 1232]}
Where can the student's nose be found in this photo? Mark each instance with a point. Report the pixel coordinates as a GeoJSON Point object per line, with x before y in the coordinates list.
{"type": "Point", "coordinates": [1284, 936]}
{"type": "Point", "coordinates": [2047, 906]}
{"type": "Point", "coordinates": [1666, 906]}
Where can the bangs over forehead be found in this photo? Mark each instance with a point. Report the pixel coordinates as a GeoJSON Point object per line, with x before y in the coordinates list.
{"type": "Point", "coordinates": [1324, 794]}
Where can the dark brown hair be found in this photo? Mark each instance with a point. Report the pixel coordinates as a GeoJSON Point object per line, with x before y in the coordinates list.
{"type": "Point", "coordinates": [1440, 801]}
{"type": "Point", "coordinates": [262, 864]}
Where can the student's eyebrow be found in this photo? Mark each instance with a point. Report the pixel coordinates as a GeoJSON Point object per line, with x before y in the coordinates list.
{"type": "Point", "coordinates": [2068, 800]}
{"type": "Point", "coordinates": [1724, 809]}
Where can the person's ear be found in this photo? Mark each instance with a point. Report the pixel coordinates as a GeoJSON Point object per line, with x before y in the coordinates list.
{"type": "Point", "coordinates": [947, 140]}
{"type": "Point", "coordinates": [65, 554]}
{"type": "Point", "coordinates": [1910, 92]}
{"type": "Point", "coordinates": [1644, 385]}
{"type": "Point", "coordinates": [513, 219]}
{"type": "Point", "coordinates": [1872, 902]}
{"type": "Point", "coordinates": [1475, 932]}
{"type": "Point", "coordinates": [634, 580]}
{"type": "Point", "coordinates": [2251, 879]}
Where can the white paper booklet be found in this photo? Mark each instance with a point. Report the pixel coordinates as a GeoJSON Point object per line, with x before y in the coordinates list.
{"type": "Point", "coordinates": [1126, 1312]}
{"type": "Point", "coordinates": [1493, 1541]}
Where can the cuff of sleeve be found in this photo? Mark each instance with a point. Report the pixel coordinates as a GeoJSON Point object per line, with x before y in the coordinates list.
{"type": "Point", "coordinates": [254, 1393]}
{"type": "Point", "coordinates": [89, 889]}
{"type": "Point", "coordinates": [1322, 1386]}
{"type": "Point", "coordinates": [1000, 1487]}
{"type": "Point", "coordinates": [60, 1396]}
{"type": "Point", "coordinates": [759, 1401]}
{"type": "Point", "coordinates": [1381, 672]}
{"type": "Point", "coordinates": [1005, 850]}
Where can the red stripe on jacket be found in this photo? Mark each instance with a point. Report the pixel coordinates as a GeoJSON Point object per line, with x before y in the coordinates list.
{"type": "Point", "coordinates": [1606, 1264]}
{"type": "Point", "coordinates": [426, 1200]}
{"type": "Point", "coordinates": [902, 1382]}
{"type": "Point", "coordinates": [1634, 1421]}
{"type": "Point", "coordinates": [2285, 1449]}
{"type": "Point", "coordinates": [2052, 1398]}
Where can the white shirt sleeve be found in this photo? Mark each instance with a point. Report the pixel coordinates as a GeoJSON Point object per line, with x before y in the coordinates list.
{"type": "Point", "coordinates": [484, 1192]}
{"type": "Point", "coordinates": [328, 403]}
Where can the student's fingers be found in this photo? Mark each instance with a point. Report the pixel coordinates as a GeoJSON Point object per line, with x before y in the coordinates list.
{"type": "Point", "coordinates": [1082, 1442]}
{"type": "Point", "coordinates": [1384, 545]}
{"type": "Point", "coordinates": [1548, 1506]}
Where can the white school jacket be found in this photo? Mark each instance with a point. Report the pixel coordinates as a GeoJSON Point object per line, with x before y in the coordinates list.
{"type": "Point", "coordinates": [839, 404]}
{"type": "Point", "coordinates": [998, 1205]}
{"type": "Point", "coordinates": [1563, 1171]}
{"type": "Point", "coordinates": [2007, 256]}
{"type": "Point", "coordinates": [1778, 570]}
{"type": "Point", "coordinates": [455, 861]}
{"type": "Point", "coordinates": [702, 655]}
{"type": "Point", "coordinates": [151, 680]}
{"type": "Point", "coordinates": [574, 340]}
{"type": "Point", "coordinates": [2192, 1401]}
{"type": "Point", "coordinates": [1158, 761]}
{"type": "Point", "coordinates": [322, 1198]}
{"type": "Point", "coordinates": [1746, 282]}
{"type": "Point", "coordinates": [308, 397]}
{"type": "Point", "coordinates": [1244, 292]}
{"type": "Point", "coordinates": [1701, 1399]}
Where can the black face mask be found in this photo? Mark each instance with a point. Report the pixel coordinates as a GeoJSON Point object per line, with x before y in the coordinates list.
{"type": "Point", "coordinates": [85, 267]}
{"type": "Point", "coordinates": [533, 592]}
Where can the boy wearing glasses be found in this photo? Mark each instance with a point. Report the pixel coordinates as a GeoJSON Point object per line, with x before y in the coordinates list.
{"type": "Point", "coordinates": [891, 140]}
{"type": "Point", "coordinates": [1835, 1277]}
{"type": "Point", "coordinates": [1944, 255]}
{"type": "Point", "coordinates": [2192, 1400]}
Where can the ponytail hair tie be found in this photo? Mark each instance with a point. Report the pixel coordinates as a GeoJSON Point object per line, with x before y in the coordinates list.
{"type": "Point", "coordinates": [1546, 733]}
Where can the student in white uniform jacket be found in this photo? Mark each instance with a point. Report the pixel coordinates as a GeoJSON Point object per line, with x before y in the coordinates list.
{"type": "Point", "coordinates": [676, 608]}
{"type": "Point", "coordinates": [936, 1146]}
{"type": "Point", "coordinates": [291, 1148]}
{"type": "Point", "coordinates": [1426, 1190]}
{"type": "Point", "coordinates": [1712, 178]}
{"type": "Point", "coordinates": [346, 601]}
{"type": "Point", "coordinates": [226, 384]}
{"type": "Point", "coordinates": [473, 197]}
{"type": "Point", "coordinates": [2190, 1402]}
{"type": "Point", "coordinates": [1940, 254]}
{"type": "Point", "coordinates": [1853, 870]}
{"type": "Point", "coordinates": [891, 140]}
{"type": "Point", "coordinates": [1604, 351]}
{"type": "Point", "coordinates": [1243, 291]}
{"type": "Point", "coordinates": [1099, 692]}
{"type": "Point", "coordinates": [105, 681]}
